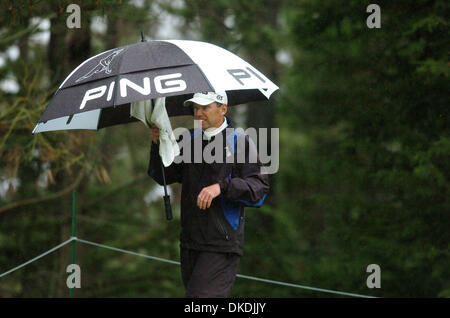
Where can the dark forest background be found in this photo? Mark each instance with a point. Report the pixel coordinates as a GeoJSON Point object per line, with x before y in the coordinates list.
{"type": "Point", "coordinates": [364, 149]}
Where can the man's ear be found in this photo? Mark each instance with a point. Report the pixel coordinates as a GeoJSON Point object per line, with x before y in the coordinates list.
{"type": "Point", "coordinates": [224, 109]}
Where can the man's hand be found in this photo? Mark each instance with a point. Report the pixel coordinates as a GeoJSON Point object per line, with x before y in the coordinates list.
{"type": "Point", "coordinates": [206, 196]}
{"type": "Point", "coordinates": [154, 134]}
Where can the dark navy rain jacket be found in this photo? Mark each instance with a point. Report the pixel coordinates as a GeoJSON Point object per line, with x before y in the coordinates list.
{"type": "Point", "coordinates": [220, 228]}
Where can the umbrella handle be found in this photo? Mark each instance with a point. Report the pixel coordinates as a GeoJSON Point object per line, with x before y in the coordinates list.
{"type": "Point", "coordinates": [168, 207]}
{"type": "Point", "coordinates": [166, 196]}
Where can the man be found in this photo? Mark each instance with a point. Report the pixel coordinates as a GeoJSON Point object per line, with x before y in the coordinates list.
{"type": "Point", "coordinates": [213, 197]}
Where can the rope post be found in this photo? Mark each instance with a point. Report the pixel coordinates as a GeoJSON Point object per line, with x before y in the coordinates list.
{"type": "Point", "coordinates": [74, 233]}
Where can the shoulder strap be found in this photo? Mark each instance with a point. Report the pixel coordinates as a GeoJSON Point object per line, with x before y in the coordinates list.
{"type": "Point", "coordinates": [232, 139]}
{"type": "Point", "coordinates": [195, 133]}
{"type": "Point", "coordinates": [232, 142]}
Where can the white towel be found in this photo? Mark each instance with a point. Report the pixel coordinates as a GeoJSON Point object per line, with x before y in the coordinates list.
{"type": "Point", "coordinates": [168, 146]}
{"type": "Point", "coordinates": [142, 110]}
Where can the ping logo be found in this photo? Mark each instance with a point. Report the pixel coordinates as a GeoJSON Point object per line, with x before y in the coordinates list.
{"type": "Point", "coordinates": [241, 74]}
{"type": "Point", "coordinates": [103, 66]}
{"type": "Point", "coordinates": [164, 84]}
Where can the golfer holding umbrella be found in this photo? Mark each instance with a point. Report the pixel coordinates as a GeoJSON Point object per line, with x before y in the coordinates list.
{"type": "Point", "coordinates": [213, 198]}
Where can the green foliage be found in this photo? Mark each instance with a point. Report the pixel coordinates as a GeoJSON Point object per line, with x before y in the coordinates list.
{"type": "Point", "coordinates": [364, 149]}
{"type": "Point", "coordinates": [372, 109]}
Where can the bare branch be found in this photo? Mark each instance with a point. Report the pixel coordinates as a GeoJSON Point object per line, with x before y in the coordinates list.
{"type": "Point", "coordinates": [53, 196]}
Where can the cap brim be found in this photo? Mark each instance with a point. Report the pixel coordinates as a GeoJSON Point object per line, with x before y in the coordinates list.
{"type": "Point", "coordinates": [198, 100]}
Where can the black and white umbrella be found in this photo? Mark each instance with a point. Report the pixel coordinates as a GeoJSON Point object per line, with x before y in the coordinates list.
{"type": "Point", "coordinates": [99, 91]}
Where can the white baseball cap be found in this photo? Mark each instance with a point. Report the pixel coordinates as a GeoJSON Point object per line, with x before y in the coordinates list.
{"type": "Point", "coordinates": [206, 98]}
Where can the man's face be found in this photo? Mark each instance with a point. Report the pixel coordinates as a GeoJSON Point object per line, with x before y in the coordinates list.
{"type": "Point", "coordinates": [210, 115]}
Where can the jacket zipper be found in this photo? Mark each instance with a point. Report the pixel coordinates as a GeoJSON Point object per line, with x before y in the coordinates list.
{"type": "Point", "coordinates": [222, 229]}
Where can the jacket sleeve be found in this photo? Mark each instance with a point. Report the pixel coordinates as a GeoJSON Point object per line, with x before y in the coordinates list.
{"type": "Point", "coordinates": [247, 184]}
{"type": "Point", "coordinates": [173, 173]}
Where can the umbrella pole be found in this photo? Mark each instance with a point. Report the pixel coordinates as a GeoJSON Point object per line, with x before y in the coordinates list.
{"type": "Point", "coordinates": [166, 196]}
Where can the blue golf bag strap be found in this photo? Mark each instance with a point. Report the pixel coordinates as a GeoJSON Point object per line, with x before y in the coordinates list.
{"type": "Point", "coordinates": [195, 133]}
{"type": "Point", "coordinates": [232, 141]}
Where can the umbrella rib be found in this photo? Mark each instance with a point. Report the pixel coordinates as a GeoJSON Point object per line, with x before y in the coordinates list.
{"type": "Point", "coordinates": [204, 76]}
{"type": "Point", "coordinates": [115, 90]}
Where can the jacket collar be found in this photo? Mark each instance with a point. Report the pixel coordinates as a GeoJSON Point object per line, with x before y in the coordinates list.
{"type": "Point", "coordinates": [229, 122]}
{"type": "Point", "coordinates": [224, 132]}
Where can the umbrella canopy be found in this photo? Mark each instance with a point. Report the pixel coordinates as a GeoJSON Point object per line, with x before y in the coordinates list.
{"type": "Point", "coordinates": [99, 91]}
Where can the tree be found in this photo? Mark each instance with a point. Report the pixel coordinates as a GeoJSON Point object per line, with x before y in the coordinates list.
{"type": "Point", "coordinates": [371, 175]}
